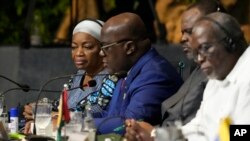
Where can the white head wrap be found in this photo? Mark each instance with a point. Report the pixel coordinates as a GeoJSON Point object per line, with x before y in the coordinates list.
{"type": "Point", "coordinates": [90, 27]}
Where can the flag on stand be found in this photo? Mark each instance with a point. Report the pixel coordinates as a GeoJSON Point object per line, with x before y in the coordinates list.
{"type": "Point", "coordinates": [63, 113]}
{"type": "Point", "coordinates": [224, 133]}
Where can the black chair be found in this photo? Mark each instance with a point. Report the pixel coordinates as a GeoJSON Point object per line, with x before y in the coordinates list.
{"type": "Point", "coordinates": [175, 55]}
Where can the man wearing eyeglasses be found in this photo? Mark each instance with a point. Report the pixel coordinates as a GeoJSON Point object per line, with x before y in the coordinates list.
{"type": "Point", "coordinates": [220, 48]}
{"type": "Point", "coordinates": [150, 78]}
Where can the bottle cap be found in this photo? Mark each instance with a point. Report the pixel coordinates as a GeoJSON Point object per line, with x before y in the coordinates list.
{"type": "Point", "coordinates": [13, 112]}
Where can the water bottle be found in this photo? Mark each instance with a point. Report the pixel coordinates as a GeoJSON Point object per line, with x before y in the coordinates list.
{"type": "Point", "coordinates": [13, 125]}
{"type": "Point", "coordinates": [88, 124]}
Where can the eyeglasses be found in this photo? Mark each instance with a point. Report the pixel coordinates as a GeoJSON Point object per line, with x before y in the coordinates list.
{"type": "Point", "coordinates": [113, 44]}
{"type": "Point", "coordinates": [205, 50]}
{"type": "Point", "coordinates": [105, 47]}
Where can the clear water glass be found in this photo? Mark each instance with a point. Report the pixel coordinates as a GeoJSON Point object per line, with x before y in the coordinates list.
{"type": "Point", "coordinates": [43, 117]}
{"type": "Point", "coordinates": [1, 104]}
{"type": "Point", "coordinates": [75, 123]}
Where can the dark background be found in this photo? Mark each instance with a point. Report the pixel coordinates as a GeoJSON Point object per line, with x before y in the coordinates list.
{"type": "Point", "coordinates": [33, 67]}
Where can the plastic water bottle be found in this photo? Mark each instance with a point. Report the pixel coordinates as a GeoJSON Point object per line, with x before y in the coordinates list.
{"type": "Point", "coordinates": [13, 125]}
{"type": "Point", "coordinates": [88, 124]}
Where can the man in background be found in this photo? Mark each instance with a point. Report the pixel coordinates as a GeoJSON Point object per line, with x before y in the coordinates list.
{"type": "Point", "coordinates": [184, 104]}
{"type": "Point", "coordinates": [219, 48]}
{"type": "Point", "coordinates": [224, 59]}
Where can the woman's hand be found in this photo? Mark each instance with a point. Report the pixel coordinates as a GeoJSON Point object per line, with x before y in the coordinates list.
{"type": "Point", "coordinates": [27, 127]}
{"type": "Point", "coordinates": [28, 115]}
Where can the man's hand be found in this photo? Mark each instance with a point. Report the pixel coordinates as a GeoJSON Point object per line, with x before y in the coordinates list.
{"type": "Point", "coordinates": [138, 131]}
{"type": "Point", "coordinates": [28, 114]}
{"type": "Point", "coordinates": [27, 127]}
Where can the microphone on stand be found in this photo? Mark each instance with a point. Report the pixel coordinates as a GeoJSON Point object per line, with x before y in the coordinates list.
{"type": "Point", "coordinates": [81, 104]}
{"type": "Point", "coordinates": [41, 90]}
{"type": "Point", "coordinates": [89, 84]}
{"type": "Point", "coordinates": [53, 79]}
{"type": "Point", "coordinates": [24, 87]}
{"type": "Point", "coordinates": [114, 77]}
{"type": "Point", "coordinates": [119, 75]}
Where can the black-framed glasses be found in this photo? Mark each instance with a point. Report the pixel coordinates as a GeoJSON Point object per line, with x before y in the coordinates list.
{"type": "Point", "coordinates": [204, 49]}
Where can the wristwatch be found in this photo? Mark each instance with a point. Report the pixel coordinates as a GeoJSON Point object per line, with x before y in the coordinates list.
{"type": "Point", "coordinates": [152, 133]}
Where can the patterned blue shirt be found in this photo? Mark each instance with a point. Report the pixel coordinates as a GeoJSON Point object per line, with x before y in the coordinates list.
{"type": "Point", "coordinates": [78, 94]}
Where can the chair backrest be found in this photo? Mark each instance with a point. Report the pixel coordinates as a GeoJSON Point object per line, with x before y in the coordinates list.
{"type": "Point", "coordinates": [175, 55]}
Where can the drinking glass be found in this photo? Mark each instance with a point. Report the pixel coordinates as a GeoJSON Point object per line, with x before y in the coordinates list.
{"type": "Point", "coordinates": [1, 104]}
{"type": "Point", "coordinates": [72, 130]}
{"type": "Point", "coordinates": [43, 117]}
{"type": "Point", "coordinates": [75, 124]}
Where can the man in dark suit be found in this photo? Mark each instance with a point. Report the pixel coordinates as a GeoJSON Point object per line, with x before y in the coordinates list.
{"type": "Point", "coordinates": [184, 104]}
{"type": "Point", "coordinates": [150, 77]}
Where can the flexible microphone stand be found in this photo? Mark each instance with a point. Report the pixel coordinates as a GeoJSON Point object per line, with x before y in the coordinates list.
{"type": "Point", "coordinates": [23, 87]}
{"type": "Point", "coordinates": [40, 92]}
{"type": "Point", "coordinates": [61, 77]}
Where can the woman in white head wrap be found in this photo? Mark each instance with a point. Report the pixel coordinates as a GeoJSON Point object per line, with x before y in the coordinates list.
{"type": "Point", "coordinates": [85, 54]}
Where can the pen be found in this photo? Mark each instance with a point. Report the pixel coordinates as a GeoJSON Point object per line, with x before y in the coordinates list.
{"type": "Point", "coordinates": [119, 128]}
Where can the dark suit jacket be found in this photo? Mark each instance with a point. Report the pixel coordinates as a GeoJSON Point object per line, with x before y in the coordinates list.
{"type": "Point", "coordinates": [149, 82]}
{"type": "Point", "coordinates": [189, 99]}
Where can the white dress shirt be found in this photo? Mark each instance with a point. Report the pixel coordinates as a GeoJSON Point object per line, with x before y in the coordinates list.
{"type": "Point", "coordinates": [221, 99]}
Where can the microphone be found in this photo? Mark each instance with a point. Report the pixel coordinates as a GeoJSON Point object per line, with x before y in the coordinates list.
{"type": "Point", "coordinates": [40, 92]}
{"type": "Point", "coordinates": [24, 87]}
{"type": "Point", "coordinates": [118, 74]}
{"type": "Point", "coordinates": [113, 77]}
{"type": "Point", "coordinates": [91, 83]}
